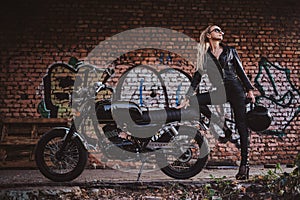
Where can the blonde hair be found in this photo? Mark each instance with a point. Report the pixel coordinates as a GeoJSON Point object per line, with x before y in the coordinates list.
{"type": "Point", "coordinates": [202, 48]}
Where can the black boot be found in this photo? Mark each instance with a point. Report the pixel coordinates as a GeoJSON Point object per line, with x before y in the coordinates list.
{"type": "Point", "coordinates": [243, 173]}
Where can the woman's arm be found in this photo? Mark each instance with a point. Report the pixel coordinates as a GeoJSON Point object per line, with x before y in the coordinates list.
{"type": "Point", "coordinates": [191, 91]}
{"type": "Point", "coordinates": [194, 84]}
{"type": "Point", "coordinates": [243, 77]}
{"type": "Point", "coordinates": [240, 71]}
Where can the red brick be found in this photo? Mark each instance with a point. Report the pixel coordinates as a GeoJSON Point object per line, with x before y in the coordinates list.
{"type": "Point", "coordinates": [34, 52]}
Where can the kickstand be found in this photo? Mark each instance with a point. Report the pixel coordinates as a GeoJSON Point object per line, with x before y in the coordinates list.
{"type": "Point", "coordinates": [141, 169]}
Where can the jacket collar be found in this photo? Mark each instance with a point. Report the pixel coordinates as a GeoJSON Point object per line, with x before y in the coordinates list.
{"type": "Point", "coordinates": [225, 47]}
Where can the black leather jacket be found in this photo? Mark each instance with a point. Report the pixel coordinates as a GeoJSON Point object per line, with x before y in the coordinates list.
{"type": "Point", "coordinates": [225, 69]}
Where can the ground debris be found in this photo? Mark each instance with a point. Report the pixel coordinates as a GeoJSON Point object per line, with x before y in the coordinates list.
{"type": "Point", "coordinates": [217, 189]}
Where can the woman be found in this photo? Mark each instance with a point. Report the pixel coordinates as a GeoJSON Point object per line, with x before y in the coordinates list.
{"type": "Point", "coordinates": [225, 71]}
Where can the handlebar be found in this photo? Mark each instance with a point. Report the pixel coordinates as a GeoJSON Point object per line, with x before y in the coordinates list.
{"type": "Point", "coordinates": [89, 91]}
{"type": "Point", "coordinates": [101, 85]}
{"type": "Point", "coordinates": [109, 72]}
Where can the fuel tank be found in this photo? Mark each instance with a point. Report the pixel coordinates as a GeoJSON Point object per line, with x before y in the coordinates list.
{"type": "Point", "coordinates": [103, 111]}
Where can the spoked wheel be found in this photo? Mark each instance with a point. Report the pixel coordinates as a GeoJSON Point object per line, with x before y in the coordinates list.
{"type": "Point", "coordinates": [188, 155]}
{"type": "Point", "coordinates": [64, 166]}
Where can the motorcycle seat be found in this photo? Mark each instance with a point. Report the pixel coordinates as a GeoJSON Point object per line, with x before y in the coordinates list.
{"type": "Point", "coordinates": [167, 115]}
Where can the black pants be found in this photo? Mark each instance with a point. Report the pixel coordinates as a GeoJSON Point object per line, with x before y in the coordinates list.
{"type": "Point", "coordinates": [235, 95]}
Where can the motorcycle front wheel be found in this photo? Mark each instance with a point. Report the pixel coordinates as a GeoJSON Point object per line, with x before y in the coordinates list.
{"type": "Point", "coordinates": [188, 155]}
{"type": "Point", "coordinates": [64, 167]}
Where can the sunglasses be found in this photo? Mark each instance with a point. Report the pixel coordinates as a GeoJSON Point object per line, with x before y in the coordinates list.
{"type": "Point", "coordinates": [217, 30]}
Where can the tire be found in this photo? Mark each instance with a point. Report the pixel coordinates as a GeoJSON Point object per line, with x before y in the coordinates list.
{"type": "Point", "coordinates": [189, 163]}
{"type": "Point", "coordinates": [74, 157]}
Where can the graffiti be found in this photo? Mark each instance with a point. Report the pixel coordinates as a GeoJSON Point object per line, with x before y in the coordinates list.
{"type": "Point", "coordinates": [277, 92]}
{"type": "Point", "coordinates": [153, 88]}
{"type": "Point", "coordinates": [57, 89]}
{"type": "Point", "coordinates": [58, 86]}
{"type": "Point", "coordinates": [42, 110]}
{"type": "Point", "coordinates": [65, 82]}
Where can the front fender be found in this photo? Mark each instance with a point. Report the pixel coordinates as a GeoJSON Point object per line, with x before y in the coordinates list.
{"type": "Point", "coordinates": [66, 131]}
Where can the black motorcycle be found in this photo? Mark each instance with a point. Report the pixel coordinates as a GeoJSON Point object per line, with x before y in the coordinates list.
{"type": "Point", "coordinates": [170, 137]}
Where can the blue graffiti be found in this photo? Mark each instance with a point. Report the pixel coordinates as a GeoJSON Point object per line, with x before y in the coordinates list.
{"type": "Point", "coordinates": [141, 91]}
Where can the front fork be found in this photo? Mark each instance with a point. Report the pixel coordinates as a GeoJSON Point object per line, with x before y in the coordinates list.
{"type": "Point", "coordinates": [68, 137]}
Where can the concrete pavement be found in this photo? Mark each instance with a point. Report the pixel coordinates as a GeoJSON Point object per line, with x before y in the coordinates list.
{"type": "Point", "coordinates": [33, 178]}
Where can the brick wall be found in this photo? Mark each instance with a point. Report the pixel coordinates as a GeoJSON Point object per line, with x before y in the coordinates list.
{"type": "Point", "coordinates": [36, 34]}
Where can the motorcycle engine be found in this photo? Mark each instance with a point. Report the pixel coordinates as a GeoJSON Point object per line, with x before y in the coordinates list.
{"type": "Point", "coordinates": [112, 132]}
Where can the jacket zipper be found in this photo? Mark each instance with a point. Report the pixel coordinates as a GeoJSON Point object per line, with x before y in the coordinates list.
{"type": "Point", "coordinates": [219, 67]}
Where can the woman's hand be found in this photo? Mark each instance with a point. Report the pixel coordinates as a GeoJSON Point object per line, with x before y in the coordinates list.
{"type": "Point", "coordinates": [251, 96]}
{"type": "Point", "coordinates": [184, 103]}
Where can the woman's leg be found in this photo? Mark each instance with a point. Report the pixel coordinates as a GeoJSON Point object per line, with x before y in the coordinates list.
{"type": "Point", "coordinates": [201, 100]}
{"type": "Point", "coordinates": [212, 98]}
{"type": "Point", "coordinates": [239, 110]}
{"type": "Point", "coordinates": [237, 101]}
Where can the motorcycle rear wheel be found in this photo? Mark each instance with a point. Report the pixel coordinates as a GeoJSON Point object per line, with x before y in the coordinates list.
{"type": "Point", "coordinates": [191, 161]}
{"type": "Point", "coordinates": [71, 163]}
